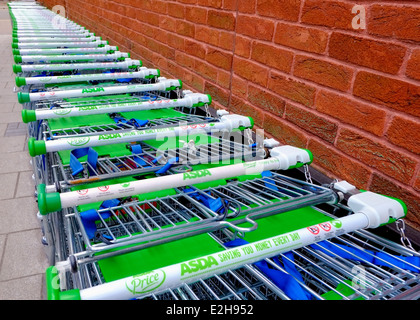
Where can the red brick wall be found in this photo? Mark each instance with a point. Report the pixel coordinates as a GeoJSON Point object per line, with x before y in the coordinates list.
{"type": "Point", "coordinates": [298, 67]}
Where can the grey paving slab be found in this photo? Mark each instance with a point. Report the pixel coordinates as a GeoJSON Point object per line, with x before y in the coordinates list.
{"type": "Point", "coordinates": [8, 183]}
{"type": "Point", "coordinates": [10, 84]}
{"type": "Point", "coordinates": [18, 214]}
{"type": "Point", "coordinates": [27, 288]}
{"type": "Point", "coordinates": [30, 259]}
{"type": "Point", "coordinates": [7, 117]}
{"type": "Point", "coordinates": [6, 91]}
{"type": "Point", "coordinates": [7, 107]}
{"type": "Point", "coordinates": [17, 107]}
{"type": "Point", "coordinates": [25, 185]}
{"type": "Point", "coordinates": [22, 257]}
{"type": "Point", "coordinates": [16, 129]}
{"type": "Point", "coordinates": [12, 143]}
{"type": "Point", "coordinates": [14, 162]}
{"type": "Point", "coordinates": [9, 99]}
{"type": "Point", "coordinates": [3, 127]}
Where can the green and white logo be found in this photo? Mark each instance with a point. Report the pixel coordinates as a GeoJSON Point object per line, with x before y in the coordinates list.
{"type": "Point", "coordinates": [125, 185]}
{"type": "Point", "coordinates": [62, 112]}
{"type": "Point", "coordinates": [248, 165]}
{"type": "Point", "coordinates": [198, 265]}
{"type": "Point", "coordinates": [146, 282]}
{"type": "Point", "coordinates": [88, 108]}
{"type": "Point", "coordinates": [337, 224]}
{"type": "Point", "coordinates": [46, 79]}
{"type": "Point", "coordinates": [196, 174]}
{"type": "Point", "coordinates": [77, 142]}
{"type": "Point", "coordinates": [92, 90]}
{"type": "Point", "coordinates": [109, 136]}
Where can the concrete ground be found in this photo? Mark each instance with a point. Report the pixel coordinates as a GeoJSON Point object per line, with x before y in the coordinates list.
{"type": "Point", "coordinates": [22, 258]}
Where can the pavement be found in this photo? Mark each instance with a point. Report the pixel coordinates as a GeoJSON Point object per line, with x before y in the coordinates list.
{"type": "Point", "coordinates": [22, 257]}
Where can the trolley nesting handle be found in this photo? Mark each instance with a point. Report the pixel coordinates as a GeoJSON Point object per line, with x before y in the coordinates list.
{"type": "Point", "coordinates": [161, 85]}
{"type": "Point", "coordinates": [142, 73]}
{"type": "Point", "coordinates": [116, 56]}
{"type": "Point", "coordinates": [126, 64]}
{"type": "Point", "coordinates": [22, 40]}
{"type": "Point", "coordinates": [227, 123]}
{"type": "Point", "coordinates": [282, 158]}
{"type": "Point", "coordinates": [62, 51]}
{"type": "Point", "coordinates": [373, 205]}
{"type": "Point", "coordinates": [45, 45]}
{"type": "Point", "coordinates": [187, 272]}
{"type": "Point", "coordinates": [189, 101]}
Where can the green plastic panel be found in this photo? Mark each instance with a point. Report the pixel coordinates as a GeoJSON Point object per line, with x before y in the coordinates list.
{"type": "Point", "coordinates": [156, 257]}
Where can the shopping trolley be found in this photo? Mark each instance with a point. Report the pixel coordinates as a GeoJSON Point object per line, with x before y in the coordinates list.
{"type": "Point", "coordinates": [331, 258]}
{"type": "Point", "coordinates": [242, 229]}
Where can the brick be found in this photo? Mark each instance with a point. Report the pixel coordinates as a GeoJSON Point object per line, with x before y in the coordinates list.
{"type": "Point", "coordinates": [240, 106]}
{"type": "Point", "coordinates": [158, 6]}
{"type": "Point", "coordinates": [176, 42]}
{"type": "Point", "coordinates": [302, 38]}
{"type": "Point", "coordinates": [396, 94]}
{"type": "Point", "coordinates": [338, 165]}
{"type": "Point", "coordinates": [284, 132]}
{"type": "Point", "coordinates": [207, 35]}
{"type": "Point", "coordinates": [185, 28]}
{"type": "Point", "coordinates": [396, 22]}
{"type": "Point", "coordinates": [211, 3]}
{"type": "Point", "coordinates": [187, 1]}
{"type": "Point", "coordinates": [167, 23]}
{"type": "Point", "coordinates": [376, 154]}
{"type": "Point", "coordinates": [250, 71]}
{"type": "Point", "coordinates": [205, 70]}
{"type": "Point", "coordinates": [160, 62]}
{"type": "Point", "coordinates": [378, 55]}
{"type": "Point", "coordinates": [315, 124]}
{"type": "Point", "coordinates": [195, 81]}
{"type": "Point", "coordinates": [217, 93]}
{"type": "Point", "coordinates": [279, 9]}
{"type": "Point", "coordinates": [176, 10]}
{"type": "Point", "coordinates": [150, 18]}
{"type": "Point", "coordinates": [226, 39]}
{"type": "Point", "coordinates": [416, 184]}
{"type": "Point", "coordinates": [219, 58]}
{"type": "Point", "coordinates": [332, 14]}
{"type": "Point", "coordinates": [195, 48]}
{"type": "Point", "coordinates": [405, 133]}
{"type": "Point", "coordinates": [239, 86]}
{"type": "Point", "coordinates": [413, 70]}
{"type": "Point", "coordinates": [230, 4]}
{"type": "Point", "coordinates": [266, 100]}
{"type": "Point", "coordinates": [224, 78]}
{"type": "Point", "coordinates": [175, 69]}
{"type": "Point", "coordinates": [143, 53]}
{"type": "Point", "coordinates": [196, 14]}
{"type": "Point", "coordinates": [347, 110]}
{"type": "Point", "coordinates": [323, 72]}
{"type": "Point", "coordinates": [185, 60]}
{"type": "Point", "coordinates": [246, 6]}
{"type": "Point", "coordinates": [272, 56]}
{"type": "Point", "coordinates": [254, 27]}
{"type": "Point", "coordinates": [159, 35]}
{"type": "Point", "coordinates": [221, 20]}
{"type": "Point", "coordinates": [242, 46]}
{"type": "Point", "coordinates": [291, 89]}
{"type": "Point", "coordinates": [383, 185]}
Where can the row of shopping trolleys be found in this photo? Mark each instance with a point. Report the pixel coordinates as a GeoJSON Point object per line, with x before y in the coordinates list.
{"type": "Point", "coordinates": [146, 192]}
